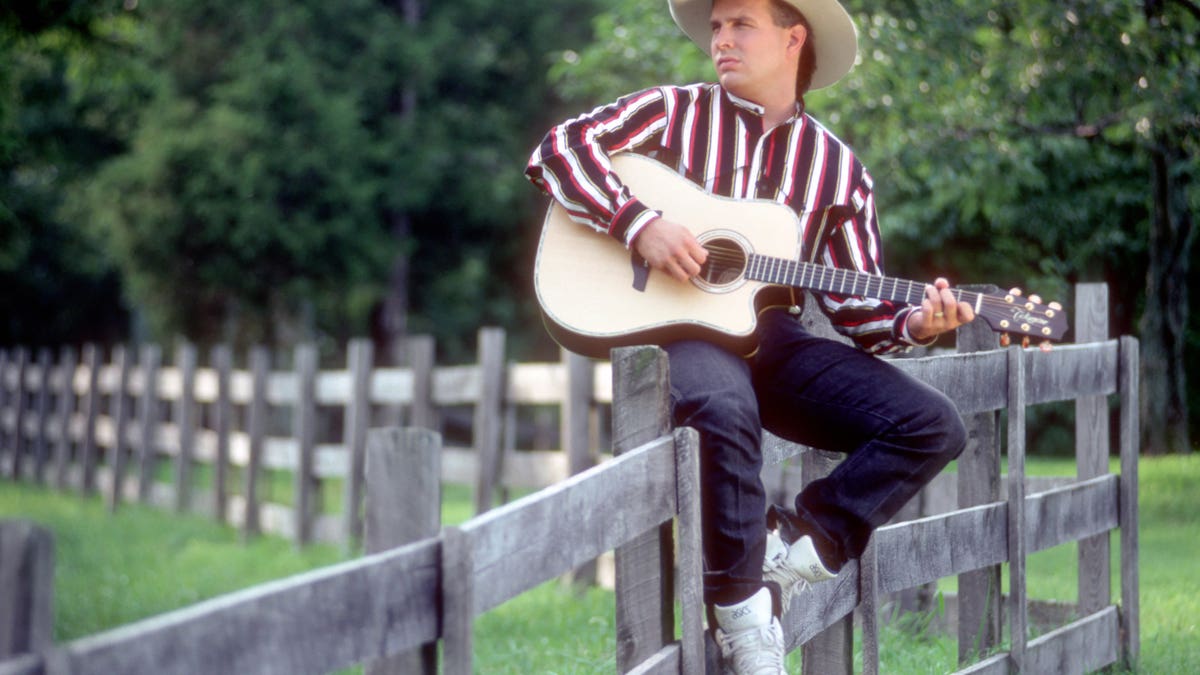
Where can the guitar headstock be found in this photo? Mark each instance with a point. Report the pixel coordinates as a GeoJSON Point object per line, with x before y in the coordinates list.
{"type": "Point", "coordinates": [1011, 313]}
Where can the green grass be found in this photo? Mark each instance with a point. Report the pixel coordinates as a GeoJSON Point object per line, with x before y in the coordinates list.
{"type": "Point", "coordinates": [111, 570]}
{"type": "Point", "coordinates": [114, 569]}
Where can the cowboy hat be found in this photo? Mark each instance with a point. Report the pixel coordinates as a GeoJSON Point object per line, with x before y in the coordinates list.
{"type": "Point", "coordinates": [836, 39]}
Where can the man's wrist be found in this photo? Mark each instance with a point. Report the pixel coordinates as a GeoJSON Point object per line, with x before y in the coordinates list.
{"type": "Point", "coordinates": [906, 334]}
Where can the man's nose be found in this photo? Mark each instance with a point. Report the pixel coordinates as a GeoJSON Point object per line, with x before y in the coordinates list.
{"type": "Point", "coordinates": [720, 38]}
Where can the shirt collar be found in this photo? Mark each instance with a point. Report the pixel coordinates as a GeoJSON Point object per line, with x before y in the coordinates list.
{"type": "Point", "coordinates": [753, 107]}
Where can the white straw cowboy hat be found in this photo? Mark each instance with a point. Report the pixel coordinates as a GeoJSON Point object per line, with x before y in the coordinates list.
{"type": "Point", "coordinates": [835, 38]}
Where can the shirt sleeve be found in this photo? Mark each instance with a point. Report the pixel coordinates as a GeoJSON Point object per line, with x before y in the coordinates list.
{"type": "Point", "coordinates": [572, 163]}
{"type": "Point", "coordinates": [876, 326]}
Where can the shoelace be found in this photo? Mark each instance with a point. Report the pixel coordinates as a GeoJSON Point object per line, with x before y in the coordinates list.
{"type": "Point", "coordinates": [789, 580]}
{"type": "Point", "coordinates": [755, 651]}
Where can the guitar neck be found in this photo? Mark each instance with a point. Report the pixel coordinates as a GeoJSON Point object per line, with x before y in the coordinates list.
{"type": "Point", "coordinates": [826, 279]}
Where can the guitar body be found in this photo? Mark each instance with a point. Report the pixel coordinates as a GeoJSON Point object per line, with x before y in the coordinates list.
{"type": "Point", "coordinates": [595, 294]}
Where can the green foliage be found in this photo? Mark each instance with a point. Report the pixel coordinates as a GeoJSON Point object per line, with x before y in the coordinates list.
{"type": "Point", "coordinates": [254, 172]}
{"type": "Point", "coordinates": [246, 192]}
{"type": "Point", "coordinates": [57, 286]}
{"type": "Point", "coordinates": [636, 45]}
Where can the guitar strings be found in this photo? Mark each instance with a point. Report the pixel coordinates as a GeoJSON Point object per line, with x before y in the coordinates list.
{"type": "Point", "coordinates": [735, 257]}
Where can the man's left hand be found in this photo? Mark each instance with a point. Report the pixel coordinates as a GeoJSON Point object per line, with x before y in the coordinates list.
{"type": "Point", "coordinates": [939, 312]}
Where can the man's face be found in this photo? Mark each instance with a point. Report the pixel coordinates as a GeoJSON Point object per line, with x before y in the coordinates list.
{"type": "Point", "coordinates": [754, 58]}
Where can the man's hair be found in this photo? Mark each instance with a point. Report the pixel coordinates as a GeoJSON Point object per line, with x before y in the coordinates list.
{"type": "Point", "coordinates": [785, 15]}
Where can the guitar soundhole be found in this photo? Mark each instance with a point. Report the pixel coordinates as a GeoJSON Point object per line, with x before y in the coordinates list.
{"type": "Point", "coordinates": [725, 266]}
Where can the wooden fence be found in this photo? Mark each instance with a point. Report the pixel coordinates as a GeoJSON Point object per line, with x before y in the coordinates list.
{"type": "Point", "coordinates": [643, 503]}
{"type": "Point", "coordinates": [105, 423]}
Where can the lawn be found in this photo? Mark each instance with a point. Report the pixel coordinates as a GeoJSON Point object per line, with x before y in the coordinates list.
{"type": "Point", "coordinates": [114, 569]}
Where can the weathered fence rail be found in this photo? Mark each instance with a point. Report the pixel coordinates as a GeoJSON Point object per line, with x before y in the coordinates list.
{"type": "Point", "coordinates": [644, 502]}
{"type": "Point", "coordinates": [391, 602]}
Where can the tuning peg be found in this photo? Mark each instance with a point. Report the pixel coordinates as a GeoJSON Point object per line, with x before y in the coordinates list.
{"type": "Point", "coordinates": [1055, 306]}
{"type": "Point", "coordinates": [1014, 291]}
{"type": "Point", "coordinates": [1024, 341]}
{"type": "Point", "coordinates": [1005, 339]}
{"type": "Point", "coordinates": [1035, 299]}
{"type": "Point", "coordinates": [1046, 346]}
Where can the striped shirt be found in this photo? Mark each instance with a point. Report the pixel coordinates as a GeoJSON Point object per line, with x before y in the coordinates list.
{"type": "Point", "coordinates": [717, 141]}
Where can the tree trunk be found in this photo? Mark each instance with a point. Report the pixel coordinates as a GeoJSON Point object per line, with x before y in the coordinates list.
{"type": "Point", "coordinates": [393, 319]}
{"type": "Point", "coordinates": [1164, 403]}
{"type": "Point", "coordinates": [1164, 320]}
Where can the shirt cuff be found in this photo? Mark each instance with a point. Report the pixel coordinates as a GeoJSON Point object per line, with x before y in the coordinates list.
{"type": "Point", "coordinates": [630, 219]}
{"type": "Point", "coordinates": [901, 329]}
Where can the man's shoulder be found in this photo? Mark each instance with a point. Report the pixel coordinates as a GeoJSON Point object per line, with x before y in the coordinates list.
{"type": "Point", "coordinates": [827, 137]}
{"type": "Point", "coordinates": [814, 126]}
{"type": "Point", "coordinates": [694, 91]}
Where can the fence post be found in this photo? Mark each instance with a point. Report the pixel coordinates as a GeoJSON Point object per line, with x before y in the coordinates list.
{"type": "Point", "coordinates": [979, 607]}
{"type": "Point", "coordinates": [420, 356]}
{"type": "Point", "coordinates": [641, 413]}
{"type": "Point", "coordinates": [41, 442]}
{"type": "Point", "coordinates": [91, 405]}
{"type": "Point", "coordinates": [1018, 615]}
{"type": "Point", "coordinates": [119, 412]}
{"type": "Point", "coordinates": [1127, 517]}
{"type": "Point", "coordinates": [403, 504]}
{"type": "Point", "coordinates": [148, 419]}
{"type": "Point", "coordinates": [575, 429]}
{"type": "Point", "coordinates": [5, 463]}
{"type": "Point", "coordinates": [256, 429]}
{"type": "Point", "coordinates": [27, 575]}
{"type": "Point", "coordinates": [65, 409]}
{"type": "Point", "coordinates": [831, 650]}
{"type": "Point", "coordinates": [304, 430]}
{"type": "Point", "coordinates": [489, 415]}
{"type": "Point", "coordinates": [19, 405]}
{"type": "Point", "coordinates": [222, 362]}
{"type": "Point", "coordinates": [360, 358]}
{"type": "Point", "coordinates": [1092, 445]}
{"type": "Point", "coordinates": [690, 560]}
{"type": "Point", "coordinates": [185, 424]}
{"type": "Point", "coordinates": [458, 602]}
{"type": "Point", "coordinates": [868, 598]}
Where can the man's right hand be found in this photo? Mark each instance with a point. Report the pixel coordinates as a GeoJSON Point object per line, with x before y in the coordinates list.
{"type": "Point", "coordinates": [670, 247]}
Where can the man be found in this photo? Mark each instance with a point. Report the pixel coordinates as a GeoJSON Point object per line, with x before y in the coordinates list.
{"type": "Point", "coordinates": [748, 136]}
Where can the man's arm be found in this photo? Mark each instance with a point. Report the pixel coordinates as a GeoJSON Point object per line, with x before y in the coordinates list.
{"type": "Point", "coordinates": [572, 163]}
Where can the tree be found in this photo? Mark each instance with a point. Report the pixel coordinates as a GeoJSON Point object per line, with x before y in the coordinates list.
{"type": "Point", "coordinates": [302, 169]}
{"type": "Point", "coordinates": [57, 287]}
{"type": "Point", "coordinates": [246, 204]}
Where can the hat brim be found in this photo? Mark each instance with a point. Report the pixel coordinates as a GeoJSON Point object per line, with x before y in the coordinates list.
{"type": "Point", "coordinates": [836, 39]}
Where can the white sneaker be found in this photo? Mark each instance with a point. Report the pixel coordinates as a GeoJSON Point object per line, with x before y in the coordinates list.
{"type": "Point", "coordinates": [793, 566]}
{"type": "Point", "coordinates": [750, 636]}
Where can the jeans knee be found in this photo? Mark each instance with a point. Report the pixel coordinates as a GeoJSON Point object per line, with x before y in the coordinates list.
{"type": "Point", "coordinates": [728, 417]}
{"type": "Point", "coordinates": [935, 427]}
{"type": "Point", "coordinates": [949, 427]}
{"type": "Point", "coordinates": [955, 436]}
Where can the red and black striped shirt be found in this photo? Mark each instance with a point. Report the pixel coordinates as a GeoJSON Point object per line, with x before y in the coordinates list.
{"type": "Point", "coordinates": [718, 141]}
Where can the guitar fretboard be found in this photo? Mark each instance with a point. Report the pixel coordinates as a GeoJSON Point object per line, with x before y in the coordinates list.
{"type": "Point", "coordinates": [783, 272]}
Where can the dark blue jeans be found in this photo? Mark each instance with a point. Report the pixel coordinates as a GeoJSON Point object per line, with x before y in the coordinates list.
{"type": "Point", "coordinates": [897, 432]}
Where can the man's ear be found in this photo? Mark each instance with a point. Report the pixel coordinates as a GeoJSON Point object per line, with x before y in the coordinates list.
{"type": "Point", "coordinates": [797, 36]}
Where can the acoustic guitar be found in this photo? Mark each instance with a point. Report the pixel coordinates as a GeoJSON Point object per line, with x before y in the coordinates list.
{"type": "Point", "coordinates": [595, 294]}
